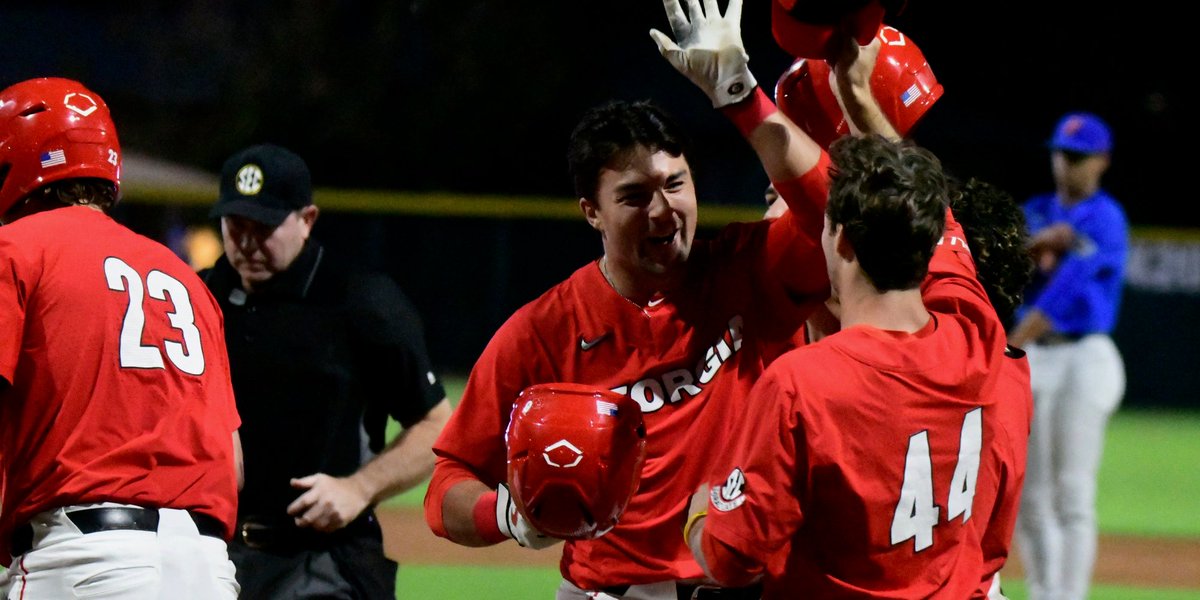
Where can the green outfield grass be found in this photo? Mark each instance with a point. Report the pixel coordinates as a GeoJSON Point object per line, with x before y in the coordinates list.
{"type": "Point", "coordinates": [1149, 480]}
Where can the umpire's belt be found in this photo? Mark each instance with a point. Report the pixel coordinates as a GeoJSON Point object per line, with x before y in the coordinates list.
{"type": "Point", "coordinates": [283, 534]}
{"type": "Point", "coordinates": [111, 518]}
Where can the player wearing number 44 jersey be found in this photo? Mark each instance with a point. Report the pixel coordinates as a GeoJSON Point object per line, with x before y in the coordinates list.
{"type": "Point", "coordinates": [859, 479]}
{"type": "Point", "coordinates": [117, 419]}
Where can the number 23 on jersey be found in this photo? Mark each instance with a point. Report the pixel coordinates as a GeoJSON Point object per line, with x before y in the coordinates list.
{"type": "Point", "coordinates": [187, 356]}
{"type": "Point", "coordinates": [916, 512]}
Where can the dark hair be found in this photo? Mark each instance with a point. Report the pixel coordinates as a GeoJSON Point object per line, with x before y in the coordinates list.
{"type": "Point", "coordinates": [890, 199]}
{"type": "Point", "coordinates": [614, 128]}
{"type": "Point", "coordinates": [995, 228]}
{"type": "Point", "coordinates": [100, 193]}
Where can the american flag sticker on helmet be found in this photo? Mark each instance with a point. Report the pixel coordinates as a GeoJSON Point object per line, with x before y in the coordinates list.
{"type": "Point", "coordinates": [910, 95]}
{"type": "Point", "coordinates": [606, 408]}
{"type": "Point", "coordinates": [53, 157]}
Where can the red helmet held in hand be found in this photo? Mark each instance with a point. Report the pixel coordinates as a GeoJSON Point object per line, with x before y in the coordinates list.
{"type": "Point", "coordinates": [814, 29]}
{"type": "Point", "coordinates": [575, 458]}
{"type": "Point", "coordinates": [902, 83]}
{"type": "Point", "coordinates": [53, 129]}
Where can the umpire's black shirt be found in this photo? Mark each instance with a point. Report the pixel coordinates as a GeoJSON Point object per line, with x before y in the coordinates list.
{"type": "Point", "coordinates": [320, 354]}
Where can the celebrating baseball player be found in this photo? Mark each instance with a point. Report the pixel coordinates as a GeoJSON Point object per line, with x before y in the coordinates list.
{"type": "Point", "coordinates": [995, 230]}
{"type": "Point", "coordinates": [681, 326]}
{"type": "Point", "coordinates": [994, 227]}
{"type": "Point", "coordinates": [117, 420]}
{"type": "Point", "coordinates": [861, 480]}
{"type": "Point", "coordinates": [1080, 237]}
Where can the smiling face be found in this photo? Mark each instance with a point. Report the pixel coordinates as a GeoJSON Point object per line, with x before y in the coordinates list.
{"type": "Point", "coordinates": [645, 210]}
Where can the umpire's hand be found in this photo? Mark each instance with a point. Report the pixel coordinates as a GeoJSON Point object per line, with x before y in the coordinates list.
{"type": "Point", "coordinates": [329, 504]}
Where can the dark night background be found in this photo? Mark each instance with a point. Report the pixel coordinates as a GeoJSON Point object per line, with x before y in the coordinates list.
{"type": "Point", "coordinates": [479, 96]}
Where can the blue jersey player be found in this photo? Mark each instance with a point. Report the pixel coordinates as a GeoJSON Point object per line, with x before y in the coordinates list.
{"type": "Point", "coordinates": [1080, 239]}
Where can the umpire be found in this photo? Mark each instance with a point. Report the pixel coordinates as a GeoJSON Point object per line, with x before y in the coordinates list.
{"type": "Point", "coordinates": [321, 354]}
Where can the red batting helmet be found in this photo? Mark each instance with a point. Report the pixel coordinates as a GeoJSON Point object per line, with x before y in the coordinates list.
{"type": "Point", "coordinates": [812, 29]}
{"type": "Point", "coordinates": [902, 82]}
{"type": "Point", "coordinates": [574, 458]}
{"type": "Point", "coordinates": [53, 129]}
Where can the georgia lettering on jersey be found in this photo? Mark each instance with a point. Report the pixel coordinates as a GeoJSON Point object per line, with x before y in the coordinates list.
{"type": "Point", "coordinates": [656, 391]}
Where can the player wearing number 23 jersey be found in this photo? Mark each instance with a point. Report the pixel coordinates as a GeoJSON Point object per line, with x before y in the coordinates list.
{"type": "Point", "coordinates": [120, 385]}
{"type": "Point", "coordinates": [118, 444]}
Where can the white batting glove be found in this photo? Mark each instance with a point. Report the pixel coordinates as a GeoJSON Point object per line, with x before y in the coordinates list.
{"type": "Point", "coordinates": [710, 50]}
{"type": "Point", "coordinates": [514, 525]}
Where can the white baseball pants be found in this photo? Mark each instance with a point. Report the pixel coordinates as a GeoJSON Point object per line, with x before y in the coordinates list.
{"type": "Point", "coordinates": [1076, 387]}
{"type": "Point", "coordinates": [176, 562]}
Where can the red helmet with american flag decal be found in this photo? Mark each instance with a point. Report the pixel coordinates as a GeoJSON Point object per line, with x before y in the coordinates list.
{"type": "Point", "coordinates": [53, 129]}
{"type": "Point", "coordinates": [902, 82]}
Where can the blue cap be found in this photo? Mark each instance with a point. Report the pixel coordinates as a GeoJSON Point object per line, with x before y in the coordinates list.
{"type": "Point", "coordinates": [1084, 133]}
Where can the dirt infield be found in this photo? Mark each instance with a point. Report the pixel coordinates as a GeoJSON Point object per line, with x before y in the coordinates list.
{"type": "Point", "coordinates": [1122, 560]}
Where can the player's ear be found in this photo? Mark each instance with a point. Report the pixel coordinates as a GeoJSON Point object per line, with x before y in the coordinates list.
{"type": "Point", "coordinates": [842, 244]}
{"type": "Point", "coordinates": [590, 210]}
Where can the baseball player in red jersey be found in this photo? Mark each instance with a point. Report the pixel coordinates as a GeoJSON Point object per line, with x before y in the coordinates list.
{"type": "Point", "coordinates": [995, 229]}
{"type": "Point", "coordinates": [682, 326]}
{"type": "Point", "coordinates": [994, 226]}
{"type": "Point", "coordinates": [862, 481]}
{"type": "Point", "coordinates": [117, 419]}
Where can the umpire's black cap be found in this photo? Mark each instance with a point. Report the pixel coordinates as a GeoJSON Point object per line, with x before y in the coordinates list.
{"type": "Point", "coordinates": [263, 183]}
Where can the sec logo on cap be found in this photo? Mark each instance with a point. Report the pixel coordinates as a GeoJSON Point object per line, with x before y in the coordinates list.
{"type": "Point", "coordinates": [249, 180]}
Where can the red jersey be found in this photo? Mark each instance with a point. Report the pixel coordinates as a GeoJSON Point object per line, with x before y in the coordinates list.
{"type": "Point", "coordinates": [685, 358]}
{"type": "Point", "coordinates": [120, 388]}
{"type": "Point", "coordinates": [860, 481]}
{"type": "Point", "coordinates": [997, 502]}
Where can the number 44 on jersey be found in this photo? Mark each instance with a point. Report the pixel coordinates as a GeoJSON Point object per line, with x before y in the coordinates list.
{"type": "Point", "coordinates": [916, 513]}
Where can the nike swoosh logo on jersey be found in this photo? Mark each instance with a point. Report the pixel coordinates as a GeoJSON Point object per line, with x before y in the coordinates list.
{"type": "Point", "coordinates": [586, 344]}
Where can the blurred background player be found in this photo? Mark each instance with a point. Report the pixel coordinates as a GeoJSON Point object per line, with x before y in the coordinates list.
{"type": "Point", "coordinates": [680, 325]}
{"type": "Point", "coordinates": [118, 440]}
{"type": "Point", "coordinates": [814, 502]}
{"type": "Point", "coordinates": [1080, 240]}
{"type": "Point", "coordinates": [322, 352]}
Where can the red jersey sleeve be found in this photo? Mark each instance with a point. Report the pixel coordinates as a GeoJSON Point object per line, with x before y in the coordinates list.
{"type": "Point", "coordinates": [756, 510]}
{"type": "Point", "coordinates": [728, 566]}
{"type": "Point", "coordinates": [13, 287]}
{"type": "Point", "coordinates": [794, 251]}
{"type": "Point", "coordinates": [952, 286]}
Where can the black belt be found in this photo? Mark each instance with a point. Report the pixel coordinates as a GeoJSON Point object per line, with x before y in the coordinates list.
{"type": "Point", "coordinates": [113, 518]}
{"type": "Point", "coordinates": [282, 534]}
{"type": "Point", "coordinates": [686, 591]}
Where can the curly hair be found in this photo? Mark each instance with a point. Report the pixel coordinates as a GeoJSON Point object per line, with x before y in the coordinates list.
{"type": "Point", "coordinates": [890, 199]}
{"type": "Point", "coordinates": [995, 228]}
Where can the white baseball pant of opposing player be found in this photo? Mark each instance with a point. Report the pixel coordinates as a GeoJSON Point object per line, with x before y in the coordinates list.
{"type": "Point", "coordinates": [1076, 387]}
